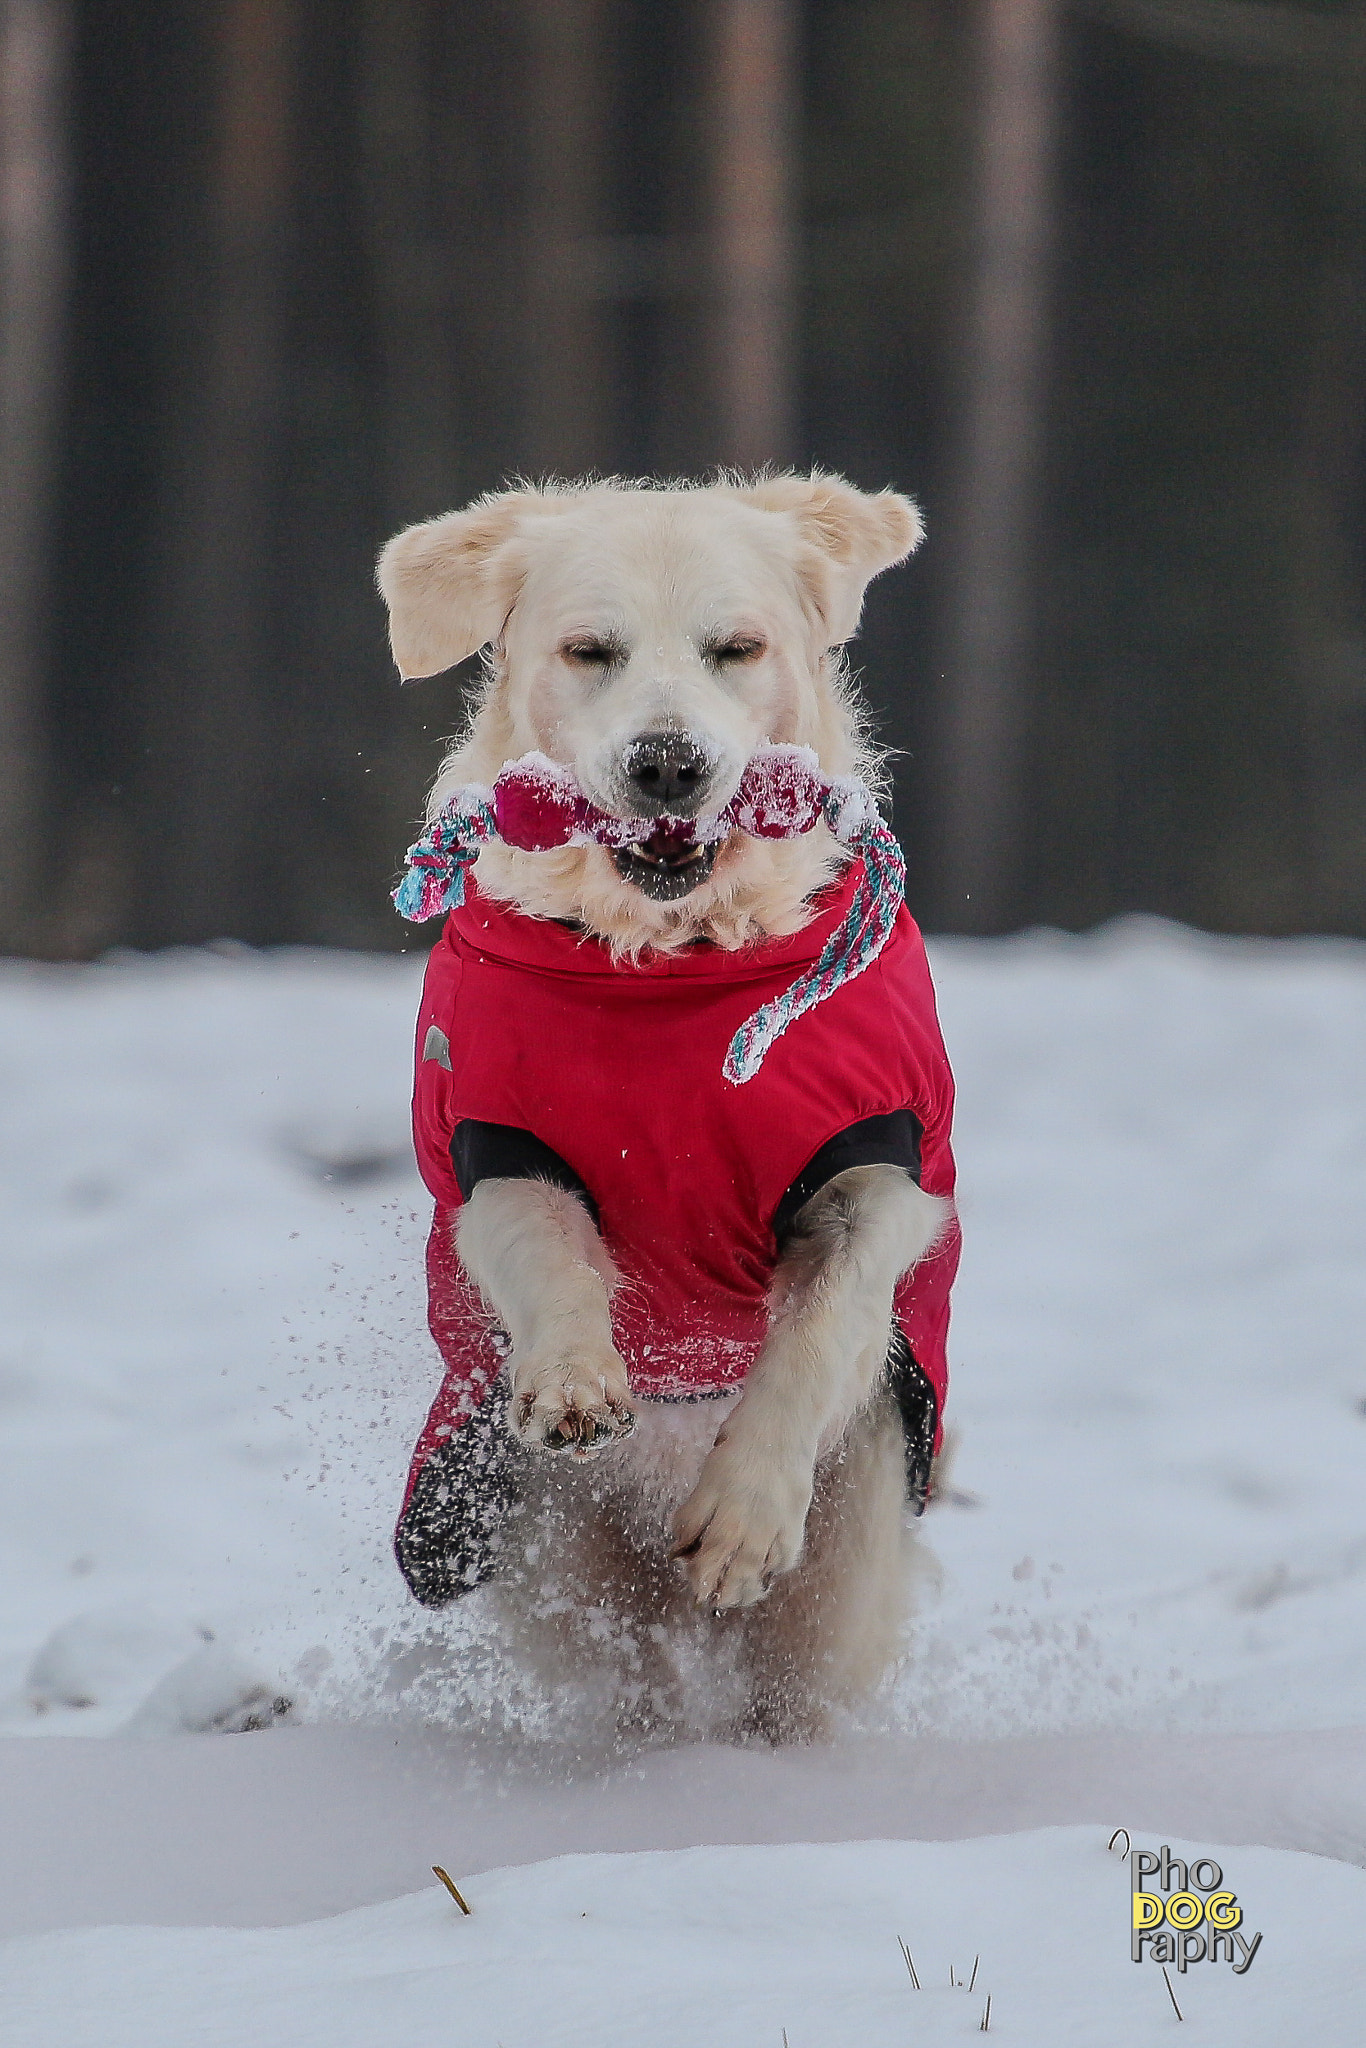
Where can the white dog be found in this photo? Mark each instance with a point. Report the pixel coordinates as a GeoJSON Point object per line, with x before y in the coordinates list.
{"type": "Point", "coordinates": [650, 640]}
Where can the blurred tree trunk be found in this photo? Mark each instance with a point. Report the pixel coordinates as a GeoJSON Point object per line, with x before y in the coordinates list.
{"type": "Point", "coordinates": [1327, 620]}
{"type": "Point", "coordinates": [566, 427]}
{"type": "Point", "coordinates": [33, 278]}
{"type": "Point", "coordinates": [208, 787]}
{"type": "Point", "coordinates": [751, 65]}
{"type": "Point", "coordinates": [407, 257]}
{"type": "Point", "coordinates": [985, 717]}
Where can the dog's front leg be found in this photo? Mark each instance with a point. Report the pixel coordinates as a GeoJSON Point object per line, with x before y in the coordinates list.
{"type": "Point", "coordinates": [832, 1313]}
{"type": "Point", "coordinates": [535, 1256]}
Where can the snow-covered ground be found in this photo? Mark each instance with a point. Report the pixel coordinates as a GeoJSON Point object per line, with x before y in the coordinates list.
{"type": "Point", "coordinates": [732, 1948]}
{"type": "Point", "coordinates": [1151, 1600]}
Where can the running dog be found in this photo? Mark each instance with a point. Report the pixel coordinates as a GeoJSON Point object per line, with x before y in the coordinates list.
{"type": "Point", "coordinates": [694, 1329]}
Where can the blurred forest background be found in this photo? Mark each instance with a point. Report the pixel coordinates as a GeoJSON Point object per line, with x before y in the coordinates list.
{"type": "Point", "coordinates": [279, 276]}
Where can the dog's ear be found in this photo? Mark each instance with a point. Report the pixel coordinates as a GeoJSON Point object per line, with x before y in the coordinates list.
{"type": "Point", "coordinates": [451, 582]}
{"type": "Point", "coordinates": [850, 536]}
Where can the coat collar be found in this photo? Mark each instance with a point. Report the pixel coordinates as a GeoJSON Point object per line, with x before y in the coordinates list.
{"type": "Point", "coordinates": [500, 931]}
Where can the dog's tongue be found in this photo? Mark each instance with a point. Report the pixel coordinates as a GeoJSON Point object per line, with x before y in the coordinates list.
{"type": "Point", "coordinates": [670, 842]}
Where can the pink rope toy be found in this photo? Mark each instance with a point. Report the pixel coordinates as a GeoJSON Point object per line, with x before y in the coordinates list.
{"type": "Point", "coordinates": [537, 804]}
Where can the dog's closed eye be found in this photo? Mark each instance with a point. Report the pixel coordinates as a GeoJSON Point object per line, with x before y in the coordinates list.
{"type": "Point", "coordinates": [735, 648]}
{"type": "Point", "coordinates": [590, 650]}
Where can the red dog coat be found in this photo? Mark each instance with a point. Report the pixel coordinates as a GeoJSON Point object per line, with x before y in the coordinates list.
{"type": "Point", "coordinates": [617, 1068]}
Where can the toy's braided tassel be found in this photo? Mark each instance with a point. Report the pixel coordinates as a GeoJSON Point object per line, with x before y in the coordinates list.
{"type": "Point", "coordinates": [537, 804]}
{"type": "Point", "coordinates": [867, 927]}
{"type": "Point", "coordinates": [435, 881]}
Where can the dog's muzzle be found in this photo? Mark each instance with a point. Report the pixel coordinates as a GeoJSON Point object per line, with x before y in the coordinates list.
{"type": "Point", "coordinates": [666, 776]}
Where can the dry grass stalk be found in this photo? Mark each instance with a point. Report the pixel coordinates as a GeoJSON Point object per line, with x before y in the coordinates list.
{"type": "Point", "coordinates": [437, 1871]}
{"type": "Point", "coordinates": [910, 1965]}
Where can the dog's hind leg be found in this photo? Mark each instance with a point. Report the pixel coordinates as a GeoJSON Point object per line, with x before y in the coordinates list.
{"type": "Point", "coordinates": [594, 1614]}
{"type": "Point", "coordinates": [831, 1629]}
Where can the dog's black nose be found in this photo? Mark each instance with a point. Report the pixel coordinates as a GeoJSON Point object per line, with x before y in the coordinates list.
{"type": "Point", "coordinates": [667, 771]}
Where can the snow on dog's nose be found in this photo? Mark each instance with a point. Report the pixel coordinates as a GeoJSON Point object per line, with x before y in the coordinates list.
{"type": "Point", "coordinates": [666, 772]}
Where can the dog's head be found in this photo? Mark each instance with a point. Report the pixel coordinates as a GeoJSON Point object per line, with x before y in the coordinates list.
{"type": "Point", "coordinates": [650, 639]}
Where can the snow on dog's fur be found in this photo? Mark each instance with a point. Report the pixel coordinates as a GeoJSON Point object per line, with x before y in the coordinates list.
{"type": "Point", "coordinates": [636, 633]}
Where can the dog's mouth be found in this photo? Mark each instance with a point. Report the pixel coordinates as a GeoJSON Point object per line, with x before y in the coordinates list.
{"type": "Point", "coordinates": [667, 865]}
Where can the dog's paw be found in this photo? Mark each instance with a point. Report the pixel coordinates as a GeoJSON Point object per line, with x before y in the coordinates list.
{"type": "Point", "coordinates": [579, 1405]}
{"type": "Point", "coordinates": [741, 1527]}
